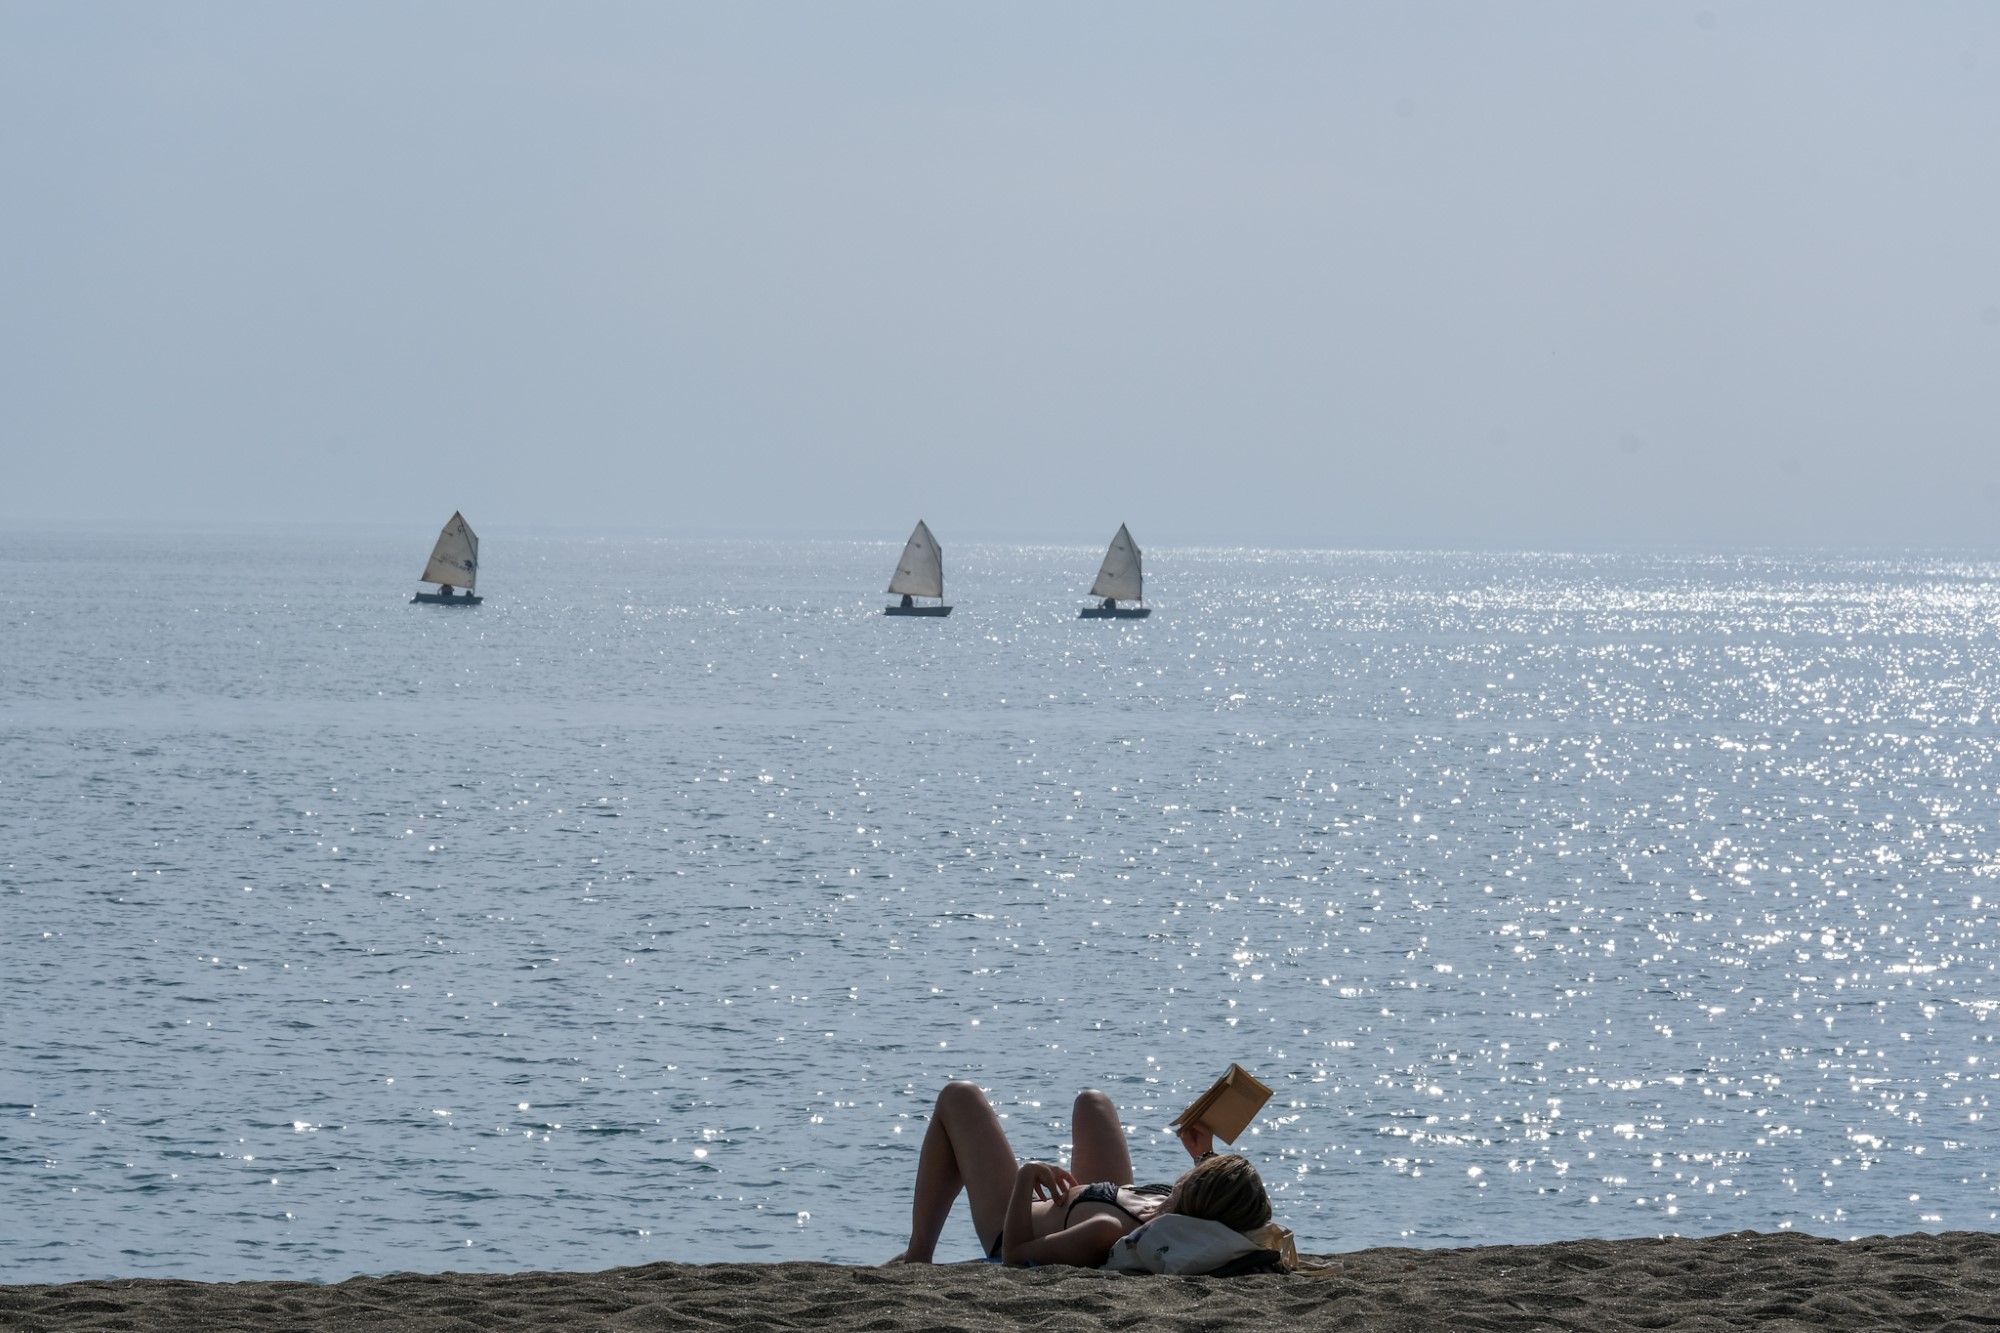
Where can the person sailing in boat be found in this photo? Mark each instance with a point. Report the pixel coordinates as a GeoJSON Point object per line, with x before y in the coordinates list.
{"type": "Point", "coordinates": [908, 601]}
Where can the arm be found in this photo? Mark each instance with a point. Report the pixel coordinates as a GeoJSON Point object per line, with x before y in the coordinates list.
{"type": "Point", "coordinates": [1085, 1245]}
{"type": "Point", "coordinates": [1034, 1180]}
{"type": "Point", "coordinates": [1199, 1140]}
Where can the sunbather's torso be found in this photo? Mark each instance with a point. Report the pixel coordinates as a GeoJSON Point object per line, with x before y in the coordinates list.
{"type": "Point", "coordinates": [1130, 1204]}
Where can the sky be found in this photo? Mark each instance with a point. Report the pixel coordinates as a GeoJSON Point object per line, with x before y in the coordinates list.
{"type": "Point", "coordinates": [1401, 274]}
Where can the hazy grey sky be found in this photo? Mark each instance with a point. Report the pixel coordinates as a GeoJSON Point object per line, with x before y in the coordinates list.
{"type": "Point", "coordinates": [1393, 274]}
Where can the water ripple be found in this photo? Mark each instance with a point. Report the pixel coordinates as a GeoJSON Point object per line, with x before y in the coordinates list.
{"type": "Point", "coordinates": [639, 914]}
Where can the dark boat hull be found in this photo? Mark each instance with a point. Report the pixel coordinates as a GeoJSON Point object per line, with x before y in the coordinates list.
{"type": "Point", "coordinates": [1114, 613]}
{"type": "Point", "coordinates": [439, 599]}
{"type": "Point", "coordinates": [916, 610]}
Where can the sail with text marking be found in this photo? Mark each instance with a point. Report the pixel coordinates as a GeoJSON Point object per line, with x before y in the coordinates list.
{"type": "Point", "coordinates": [454, 560]}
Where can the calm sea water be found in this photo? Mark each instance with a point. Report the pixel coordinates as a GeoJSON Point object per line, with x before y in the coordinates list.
{"type": "Point", "coordinates": [639, 913]}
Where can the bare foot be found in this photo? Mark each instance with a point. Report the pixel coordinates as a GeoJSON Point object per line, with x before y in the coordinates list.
{"type": "Point", "coordinates": [903, 1258]}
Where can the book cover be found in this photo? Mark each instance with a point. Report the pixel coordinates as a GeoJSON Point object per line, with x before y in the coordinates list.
{"type": "Point", "coordinates": [1229, 1106]}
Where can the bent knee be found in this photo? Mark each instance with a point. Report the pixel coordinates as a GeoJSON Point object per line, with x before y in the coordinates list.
{"type": "Point", "coordinates": [1090, 1099]}
{"type": "Point", "coordinates": [961, 1090]}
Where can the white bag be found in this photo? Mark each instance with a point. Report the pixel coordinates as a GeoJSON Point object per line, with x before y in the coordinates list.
{"type": "Point", "coordinates": [1174, 1243]}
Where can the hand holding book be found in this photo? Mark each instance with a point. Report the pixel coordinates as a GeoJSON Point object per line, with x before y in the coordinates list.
{"type": "Point", "coordinates": [1199, 1140]}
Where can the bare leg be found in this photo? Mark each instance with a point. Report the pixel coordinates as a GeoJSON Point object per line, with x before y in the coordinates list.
{"type": "Point", "coordinates": [1099, 1152]}
{"type": "Point", "coordinates": [965, 1148]}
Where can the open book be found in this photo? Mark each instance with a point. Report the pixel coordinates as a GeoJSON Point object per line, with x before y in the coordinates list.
{"type": "Point", "coordinates": [1227, 1108]}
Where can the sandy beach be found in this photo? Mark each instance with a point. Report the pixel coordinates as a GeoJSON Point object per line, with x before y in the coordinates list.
{"type": "Point", "coordinates": [1742, 1281]}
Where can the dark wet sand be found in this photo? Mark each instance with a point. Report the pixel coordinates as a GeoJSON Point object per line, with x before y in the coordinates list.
{"type": "Point", "coordinates": [1743, 1281]}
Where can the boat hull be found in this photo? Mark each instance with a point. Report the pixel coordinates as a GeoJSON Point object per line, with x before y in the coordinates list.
{"type": "Point", "coordinates": [916, 610]}
{"type": "Point", "coordinates": [1114, 613]}
{"type": "Point", "coordinates": [439, 599]}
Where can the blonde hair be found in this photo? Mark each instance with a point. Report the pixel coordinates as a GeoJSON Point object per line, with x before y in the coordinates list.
{"type": "Point", "coordinates": [1224, 1189]}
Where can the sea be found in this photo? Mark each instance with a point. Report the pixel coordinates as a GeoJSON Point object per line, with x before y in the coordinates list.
{"type": "Point", "coordinates": [640, 912]}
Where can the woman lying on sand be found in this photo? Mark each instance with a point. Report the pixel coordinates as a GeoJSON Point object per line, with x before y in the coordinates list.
{"type": "Point", "coordinates": [1041, 1214]}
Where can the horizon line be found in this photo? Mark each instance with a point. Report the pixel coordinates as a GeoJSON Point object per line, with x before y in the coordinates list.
{"type": "Point", "coordinates": [12, 526]}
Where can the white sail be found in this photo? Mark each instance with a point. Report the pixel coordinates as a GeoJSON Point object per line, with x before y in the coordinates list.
{"type": "Point", "coordinates": [920, 573]}
{"type": "Point", "coordinates": [455, 559]}
{"type": "Point", "coordinates": [1120, 576]}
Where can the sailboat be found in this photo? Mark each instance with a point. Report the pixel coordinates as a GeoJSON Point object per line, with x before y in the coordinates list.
{"type": "Point", "coordinates": [1119, 579]}
{"type": "Point", "coordinates": [920, 573]}
{"type": "Point", "coordinates": [454, 564]}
